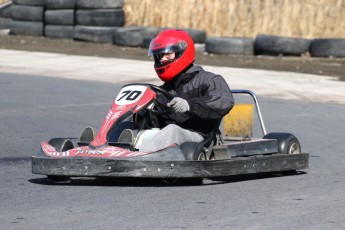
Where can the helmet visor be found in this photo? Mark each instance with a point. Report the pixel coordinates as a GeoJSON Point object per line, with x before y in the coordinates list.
{"type": "Point", "coordinates": [162, 45]}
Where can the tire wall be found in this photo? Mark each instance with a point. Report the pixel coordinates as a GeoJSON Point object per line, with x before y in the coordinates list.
{"type": "Point", "coordinates": [86, 20]}
{"type": "Point", "coordinates": [103, 21]}
{"type": "Point", "coordinates": [59, 18]}
{"type": "Point", "coordinates": [27, 17]}
{"type": "Point", "coordinates": [5, 15]}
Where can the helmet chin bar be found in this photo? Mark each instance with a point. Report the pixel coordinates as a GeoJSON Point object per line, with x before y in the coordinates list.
{"type": "Point", "coordinates": [161, 71]}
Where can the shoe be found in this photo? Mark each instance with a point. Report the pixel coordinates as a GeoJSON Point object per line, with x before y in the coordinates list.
{"type": "Point", "coordinates": [126, 136]}
{"type": "Point", "coordinates": [87, 135]}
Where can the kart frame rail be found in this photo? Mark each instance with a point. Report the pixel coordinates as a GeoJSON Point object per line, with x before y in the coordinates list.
{"type": "Point", "coordinates": [95, 167]}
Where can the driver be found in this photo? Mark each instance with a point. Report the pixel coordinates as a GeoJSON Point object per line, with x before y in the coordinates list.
{"type": "Point", "coordinates": [201, 98]}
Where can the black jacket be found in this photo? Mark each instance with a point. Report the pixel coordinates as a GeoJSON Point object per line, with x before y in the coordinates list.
{"type": "Point", "coordinates": [208, 95]}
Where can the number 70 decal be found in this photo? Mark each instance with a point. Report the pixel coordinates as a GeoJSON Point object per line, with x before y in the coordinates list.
{"type": "Point", "coordinates": [130, 94]}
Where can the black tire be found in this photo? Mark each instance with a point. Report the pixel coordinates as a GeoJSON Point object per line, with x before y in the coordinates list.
{"type": "Point", "coordinates": [200, 156]}
{"type": "Point", "coordinates": [29, 2]}
{"type": "Point", "coordinates": [188, 149]}
{"type": "Point", "coordinates": [241, 46]}
{"type": "Point", "coordinates": [327, 48]}
{"type": "Point", "coordinates": [198, 36]}
{"type": "Point", "coordinates": [146, 42]}
{"type": "Point", "coordinates": [99, 4]}
{"type": "Point", "coordinates": [5, 10]}
{"type": "Point", "coordinates": [128, 36]}
{"type": "Point", "coordinates": [277, 45]}
{"type": "Point", "coordinates": [61, 144]}
{"type": "Point", "coordinates": [192, 151]}
{"type": "Point", "coordinates": [94, 34]}
{"type": "Point", "coordinates": [27, 13]}
{"type": "Point", "coordinates": [26, 28]}
{"type": "Point", "coordinates": [100, 17]}
{"type": "Point", "coordinates": [60, 4]}
{"type": "Point", "coordinates": [59, 17]}
{"type": "Point", "coordinates": [287, 143]}
{"type": "Point", "coordinates": [5, 23]}
{"type": "Point", "coordinates": [149, 33]}
{"type": "Point", "coordinates": [59, 31]}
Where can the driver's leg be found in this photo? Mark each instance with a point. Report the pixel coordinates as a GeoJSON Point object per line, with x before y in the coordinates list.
{"type": "Point", "coordinates": [169, 135]}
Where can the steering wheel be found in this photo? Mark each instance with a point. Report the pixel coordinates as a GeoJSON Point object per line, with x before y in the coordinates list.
{"type": "Point", "coordinates": [165, 109]}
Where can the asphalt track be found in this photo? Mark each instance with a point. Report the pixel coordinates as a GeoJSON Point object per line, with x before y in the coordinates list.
{"type": "Point", "coordinates": [36, 108]}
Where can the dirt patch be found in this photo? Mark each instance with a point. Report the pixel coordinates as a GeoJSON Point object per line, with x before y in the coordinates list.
{"type": "Point", "coordinates": [319, 66]}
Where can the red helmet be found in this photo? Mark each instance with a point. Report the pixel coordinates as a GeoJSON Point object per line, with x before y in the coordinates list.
{"type": "Point", "coordinates": [168, 41]}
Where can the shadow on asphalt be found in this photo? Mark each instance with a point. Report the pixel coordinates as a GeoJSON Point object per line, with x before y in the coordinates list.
{"type": "Point", "coordinates": [152, 182]}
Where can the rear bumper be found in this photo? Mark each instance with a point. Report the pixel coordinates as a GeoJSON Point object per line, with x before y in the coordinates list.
{"type": "Point", "coordinates": [96, 167]}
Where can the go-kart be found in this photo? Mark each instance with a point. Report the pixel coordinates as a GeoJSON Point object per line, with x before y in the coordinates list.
{"type": "Point", "coordinates": [113, 150]}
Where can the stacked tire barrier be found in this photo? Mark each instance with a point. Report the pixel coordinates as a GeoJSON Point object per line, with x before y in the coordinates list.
{"type": "Point", "coordinates": [222, 45]}
{"type": "Point", "coordinates": [59, 19]}
{"type": "Point", "coordinates": [27, 17]}
{"type": "Point", "coordinates": [327, 48]}
{"type": "Point", "coordinates": [276, 45]}
{"type": "Point", "coordinates": [102, 21]}
{"type": "Point", "coordinates": [134, 36]}
{"type": "Point", "coordinates": [96, 21]}
{"type": "Point", "coordinates": [5, 15]}
{"type": "Point", "coordinates": [142, 36]}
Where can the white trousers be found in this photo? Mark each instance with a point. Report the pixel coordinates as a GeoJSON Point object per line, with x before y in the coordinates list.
{"type": "Point", "coordinates": [169, 135]}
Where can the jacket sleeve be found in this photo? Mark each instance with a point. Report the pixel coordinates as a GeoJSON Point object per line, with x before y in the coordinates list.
{"type": "Point", "coordinates": [213, 100]}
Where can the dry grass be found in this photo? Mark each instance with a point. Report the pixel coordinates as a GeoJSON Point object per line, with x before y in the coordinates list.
{"type": "Point", "coordinates": [243, 18]}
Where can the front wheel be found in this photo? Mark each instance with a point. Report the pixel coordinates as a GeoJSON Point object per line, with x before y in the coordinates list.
{"type": "Point", "coordinates": [60, 145]}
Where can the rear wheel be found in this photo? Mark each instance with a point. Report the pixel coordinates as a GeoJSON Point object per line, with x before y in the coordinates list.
{"type": "Point", "coordinates": [287, 142]}
{"type": "Point", "coordinates": [294, 147]}
{"type": "Point", "coordinates": [191, 152]}
{"type": "Point", "coordinates": [200, 156]}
